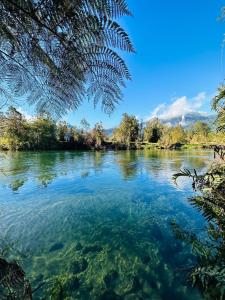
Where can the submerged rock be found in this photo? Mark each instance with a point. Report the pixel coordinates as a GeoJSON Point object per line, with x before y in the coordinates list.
{"type": "Point", "coordinates": [93, 249]}
{"type": "Point", "coordinates": [78, 266]}
{"type": "Point", "coordinates": [56, 247]}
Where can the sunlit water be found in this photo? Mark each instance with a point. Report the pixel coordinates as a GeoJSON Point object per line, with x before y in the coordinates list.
{"type": "Point", "coordinates": [97, 225]}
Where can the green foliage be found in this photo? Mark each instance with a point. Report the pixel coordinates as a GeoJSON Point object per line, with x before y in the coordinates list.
{"type": "Point", "coordinates": [57, 52]}
{"type": "Point", "coordinates": [62, 131]}
{"type": "Point", "coordinates": [128, 131]}
{"type": "Point", "coordinates": [85, 126]}
{"type": "Point", "coordinates": [173, 135]}
{"type": "Point", "coordinates": [42, 133]}
{"type": "Point", "coordinates": [12, 130]}
{"type": "Point", "coordinates": [219, 106]}
{"type": "Point", "coordinates": [153, 131]}
{"type": "Point", "coordinates": [13, 284]}
{"type": "Point", "coordinates": [199, 132]}
{"type": "Point", "coordinates": [201, 128]}
{"type": "Point", "coordinates": [10, 143]}
{"type": "Point", "coordinates": [208, 273]}
{"type": "Point", "coordinates": [98, 135]}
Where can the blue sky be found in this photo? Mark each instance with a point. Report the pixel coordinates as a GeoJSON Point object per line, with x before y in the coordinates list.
{"type": "Point", "coordinates": [179, 61]}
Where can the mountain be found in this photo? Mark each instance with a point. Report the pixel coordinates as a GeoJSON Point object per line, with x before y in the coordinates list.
{"type": "Point", "coordinates": [186, 120]}
{"type": "Point", "coordinates": [109, 131]}
{"type": "Point", "coordinates": [189, 118]}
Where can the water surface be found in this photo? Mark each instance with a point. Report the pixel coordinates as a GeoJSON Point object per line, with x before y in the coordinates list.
{"type": "Point", "coordinates": [96, 225]}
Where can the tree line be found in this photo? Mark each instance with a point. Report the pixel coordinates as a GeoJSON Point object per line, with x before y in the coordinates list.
{"type": "Point", "coordinates": [131, 131]}
{"type": "Point", "coordinates": [44, 133]}
{"type": "Point", "coordinates": [208, 246]}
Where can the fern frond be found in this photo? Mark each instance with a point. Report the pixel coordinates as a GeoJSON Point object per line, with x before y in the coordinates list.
{"type": "Point", "coordinates": [60, 48]}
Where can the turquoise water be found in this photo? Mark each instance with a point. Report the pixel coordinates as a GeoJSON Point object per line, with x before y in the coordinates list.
{"type": "Point", "coordinates": [95, 225]}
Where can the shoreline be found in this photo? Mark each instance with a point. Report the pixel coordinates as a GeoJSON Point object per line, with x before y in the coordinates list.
{"type": "Point", "coordinates": [123, 147]}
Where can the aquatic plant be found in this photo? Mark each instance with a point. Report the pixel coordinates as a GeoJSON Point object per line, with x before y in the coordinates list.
{"type": "Point", "coordinates": [13, 283]}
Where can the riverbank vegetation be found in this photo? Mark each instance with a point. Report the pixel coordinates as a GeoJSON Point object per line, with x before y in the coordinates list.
{"type": "Point", "coordinates": [208, 246]}
{"type": "Point", "coordinates": [44, 133]}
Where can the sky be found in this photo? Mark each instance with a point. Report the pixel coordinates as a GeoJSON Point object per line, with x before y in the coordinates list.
{"type": "Point", "coordinates": [178, 65]}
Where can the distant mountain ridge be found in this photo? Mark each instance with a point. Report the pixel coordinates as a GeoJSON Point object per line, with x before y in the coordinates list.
{"type": "Point", "coordinates": [186, 120]}
{"type": "Point", "coordinates": [109, 131]}
{"type": "Point", "coordinates": [189, 118]}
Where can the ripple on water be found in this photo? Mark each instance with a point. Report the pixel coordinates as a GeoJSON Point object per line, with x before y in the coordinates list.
{"type": "Point", "coordinates": [97, 225]}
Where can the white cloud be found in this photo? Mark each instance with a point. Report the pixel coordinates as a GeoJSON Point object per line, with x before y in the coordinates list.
{"type": "Point", "coordinates": [180, 107]}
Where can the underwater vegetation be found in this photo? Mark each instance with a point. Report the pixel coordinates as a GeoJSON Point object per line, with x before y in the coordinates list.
{"type": "Point", "coordinates": [122, 255]}
{"type": "Point", "coordinates": [13, 284]}
{"type": "Point", "coordinates": [86, 242]}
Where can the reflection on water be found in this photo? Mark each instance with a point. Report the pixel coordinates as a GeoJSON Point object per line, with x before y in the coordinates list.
{"type": "Point", "coordinates": [96, 225]}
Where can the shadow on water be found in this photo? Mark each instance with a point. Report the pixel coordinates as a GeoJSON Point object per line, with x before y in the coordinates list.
{"type": "Point", "coordinates": [100, 229]}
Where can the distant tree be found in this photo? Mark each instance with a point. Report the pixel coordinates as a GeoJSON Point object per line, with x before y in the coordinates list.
{"type": "Point", "coordinates": [178, 134]}
{"type": "Point", "coordinates": [173, 135]}
{"type": "Point", "coordinates": [141, 131]}
{"type": "Point", "coordinates": [85, 125]}
{"type": "Point", "coordinates": [201, 128]}
{"type": "Point", "coordinates": [75, 134]}
{"type": "Point", "coordinates": [57, 52]}
{"type": "Point", "coordinates": [219, 106]}
{"type": "Point", "coordinates": [128, 130]}
{"type": "Point", "coordinates": [13, 130]}
{"type": "Point", "coordinates": [43, 133]}
{"type": "Point", "coordinates": [62, 131]}
{"type": "Point", "coordinates": [199, 132]}
{"type": "Point", "coordinates": [153, 131]}
{"type": "Point", "coordinates": [98, 135]}
{"type": "Point", "coordinates": [15, 122]}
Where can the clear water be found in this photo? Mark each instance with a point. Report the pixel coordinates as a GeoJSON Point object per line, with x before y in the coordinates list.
{"type": "Point", "coordinates": [97, 225]}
